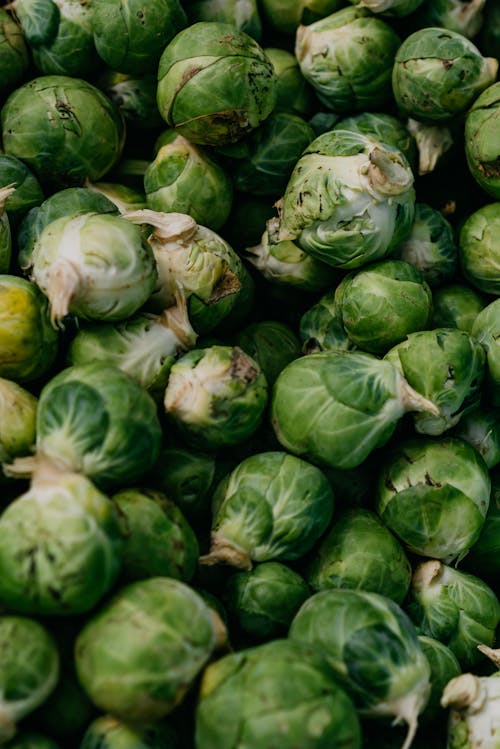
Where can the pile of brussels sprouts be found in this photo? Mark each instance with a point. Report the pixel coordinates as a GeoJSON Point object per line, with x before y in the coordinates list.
{"type": "Point", "coordinates": [249, 374]}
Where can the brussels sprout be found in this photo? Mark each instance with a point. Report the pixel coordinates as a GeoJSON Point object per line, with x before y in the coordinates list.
{"type": "Point", "coordinates": [286, 16]}
{"type": "Point", "coordinates": [462, 16]}
{"type": "Point", "coordinates": [273, 506]}
{"type": "Point", "coordinates": [321, 327]}
{"type": "Point", "coordinates": [63, 128]}
{"type": "Point", "coordinates": [59, 546]}
{"type": "Point", "coordinates": [456, 608]}
{"type": "Point", "coordinates": [187, 477]}
{"type": "Point", "coordinates": [264, 600]}
{"type": "Point", "coordinates": [29, 668]}
{"type": "Point", "coordinates": [94, 266]}
{"type": "Point", "coordinates": [383, 127]}
{"type": "Point", "coordinates": [74, 201]}
{"type": "Point", "coordinates": [14, 57]}
{"type": "Point", "coordinates": [446, 366]}
{"type": "Point", "coordinates": [28, 342]}
{"type": "Point", "coordinates": [32, 741]}
{"type": "Point", "coordinates": [352, 630]}
{"type": "Point", "coordinates": [358, 552]}
{"type": "Point", "coordinates": [483, 558]}
{"type": "Point", "coordinates": [107, 732]}
{"type": "Point", "coordinates": [216, 396]}
{"type": "Point", "coordinates": [347, 57]}
{"type": "Point", "coordinates": [434, 496]}
{"type": "Point", "coordinates": [60, 35]}
{"type": "Point", "coordinates": [383, 303]}
{"type": "Point", "coordinates": [134, 95]}
{"type": "Point", "coordinates": [144, 346]}
{"type": "Point", "coordinates": [215, 83]}
{"type": "Point", "coordinates": [95, 419]}
{"type": "Point", "coordinates": [277, 695]}
{"type": "Point", "coordinates": [481, 140]}
{"type": "Point", "coordinates": [349, 200]}
{"type": "Point", "coordinates": [456, 306]}
{"type": "Point", "coordinates": [430, 246]}
{"type": "Point", "coordinates": [212, 276]}
{"type": "Point", "coordinates": [438, 74]}
{"type": "Point", "coordinates": [130, 36]}
{"type": "Point", "coordinates": [17, 422]}
{"type": "Point", "coordinates": [293, 93]}
{"type": "Point", "coordinates": [475, 708]}
{"type": "Point", "coordinates": [486, 328]}
{"type": "Point", "coordinates": [272, 344]}
{"type": "Point", "coordinates": [389, 7]}
{"type": "Point", "coordinates": [481, 429]}
{"type": "Point", "coordinates": [444, 667]}
{"type": "Point", "coordinates": [184, 179]}
{"type": "Point", "coordinates": [139, 654]}
{"type": "Point", "coordinates": [158, 541]}
{"type": "Point", "coordinates": [28, 192]}
{"type": "Point", "coordinates": [433, 141]}
{"type": "Point", "coordinates": [335, 407]}
{"type": "Point", "coordinates": [243, 14]}
{"type": "Point", "coordinates": [262, 163]}
{"type": "Point", "coordinates": [479, 248]}
{"type": "Point", "coordinates": [5, 233]}
{"type": "Point", "coordinates": [286, 264]}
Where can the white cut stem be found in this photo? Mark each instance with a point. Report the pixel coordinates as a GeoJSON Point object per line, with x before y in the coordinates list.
{"type": "Point", "coordinates": [168, 226]}
{"type": "Point", "coordinates": [63, 285]}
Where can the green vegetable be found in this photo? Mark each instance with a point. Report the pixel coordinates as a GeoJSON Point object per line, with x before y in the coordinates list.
{"type": "Point", "coordinates": [462, 16]}
{"type": "Point", "coordinates": [135, 95]}
{"type": "Point", "coordinates": [264, 600]}
{"type": "Point", "coordinates": [321, 327]}
{"type": "Point", "coordinates": [157, 540]}
{"type": "Point", "coordinates": [351, 629]}
{"type": "Point", "coordinates": [293, 93]}
{"type": "Point", "coordinates": [272, 506]}
{"type": "Point", "coordinates": [486, 329]}
{"type": "Point", "coordinates": [349, 200]}
{"type": "Point", "coordinates": [59, 546]}
{"type": "Point", "coordinates": [274, 696]}
{"type": "Point", "coordinates": [347, 57]}
{"type": "Point", "coordinates": [456, 305]}
{"type": "Point", "coordinates": [438, 74]}
{"type": "Point", "coordinates": [243, 14]}
{"type": "Point", "coordinates": [359, 553]}
{"type": "Point", "coordinates": [454, 607]}
{"type": "Point", "coordinates": [444, 667]}
{"type": "Point", "coordinates": [29, 668]}
{"type": "Point", "coordinates": [158, 631]}
{"type": "Point", "coordinates": [383, 127]}
{"type": "Point", "coordinates": [14, 57]}
{"type": "Point", "coordinates": [479, 248]}
{"type": "Point", "coordinates": [17, 422]}
{"type": "Point", "coordinates": [390, 7]}
{"type": "Point", "coordinates": [215, 83]}
{"type": "Point", "coordinates": [434, 495]}
{"type": "Point", "coordinates": [272, 344]}
{"type": "Point", "coordinates": [28, 192]}
{"type": "Point", "coordinates": [216, 396]}
{"type": "Point", "coordinates": [481, 429]}
{"type": "Point", "coordinates": [63, 128]}
{"type": "Point", "coordinates": [335, 407]}
{"type": "Point", "coordinates": [107, 732]}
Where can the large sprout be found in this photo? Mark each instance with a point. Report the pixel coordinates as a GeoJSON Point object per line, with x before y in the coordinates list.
{"type": "Point", "coordinates": [140, 653]}
{"type": "Point", "coordinates": [29, 669]}
{"type": "Point", "coordinates": [96, 420]}
{"type": "Point", "coordinates": [381, 304]}
{"type": "Point", "coordinates": [130, 36]}
{"type": "Point", "coordinates": [60, 35]}
{"type": "Point", "coordinates": [360, 553]}
{"type": "Point", "coordinates": [28, 342]}
{"type": "Point", "coordinates": [94, 266]}
{"type": "Point", "coordinates": [215, 83]}
{"type": "Point", "coordinates": [351, 629]}
{"type": "Point", "coordinates": [481, 143]}
{"type": "Point", "coordinates": [216, 284]}
{"type": "Point", "coordinates": [454, 607]}
{"type": "Point", "coordinates": [335, 407]}
{"type": "Point", "coordinates": [347, 57]}
{"type": "Point", "coordinates": [479, 249]}
{"type": "Point", "coordinates": [350, 199]}
{"type": "Point", "coordinates": [63, 128]}
{"type": "Point", "coordinates": [272, 506]}
{"type": "Point", "coordinates": [438, 74]}
{"type": "Point", "coordinates": [216, 396]}
{"type": "Point", "coordinates": [434, 495]}
{"type": "Point", "coordinates": [157, 539]}
{"type": "Point", "coordinates": [447, 366]}
{"type": "Point", "coordinates": [59, 546]}
{"type": "Point", "coordinates": [276, 695]}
